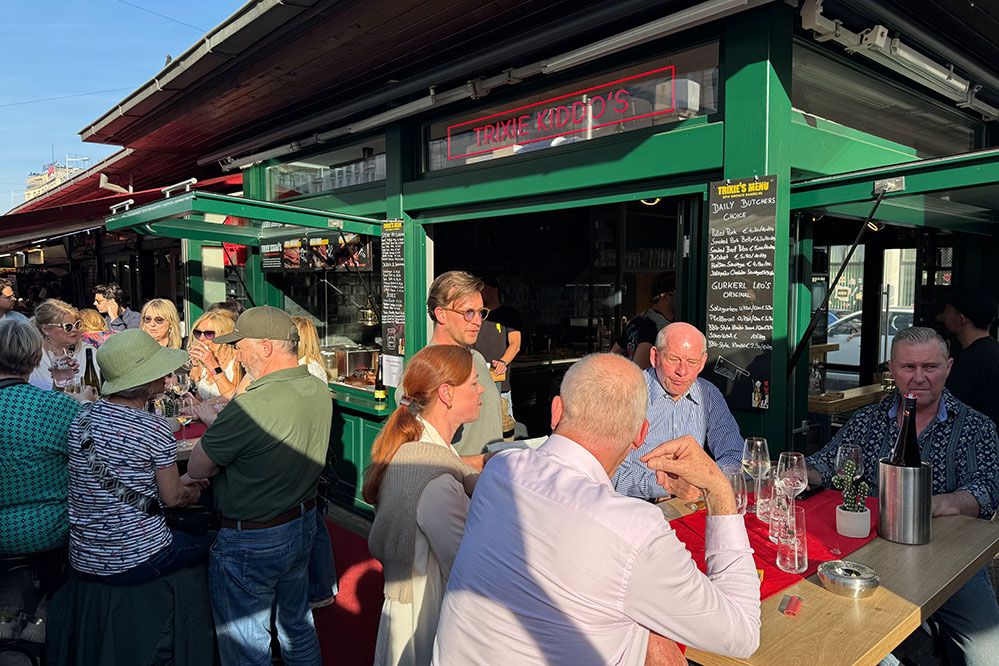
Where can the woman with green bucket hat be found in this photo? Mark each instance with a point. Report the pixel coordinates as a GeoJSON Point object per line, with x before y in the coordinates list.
{"type": "Point", "coordinates": [123, 470]}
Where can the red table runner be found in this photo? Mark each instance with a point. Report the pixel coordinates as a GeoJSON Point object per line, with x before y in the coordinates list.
{"type": "Point", "coordinates": [820, 524]}
{"type": "Point", "coordinates": [191, 431]}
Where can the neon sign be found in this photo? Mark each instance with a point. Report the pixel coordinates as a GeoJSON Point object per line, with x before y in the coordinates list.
{"type": "Point", "coordinates": [599, 106]}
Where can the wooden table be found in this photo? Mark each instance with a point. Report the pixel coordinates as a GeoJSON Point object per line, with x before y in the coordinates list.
{"type": "Point", "coordinates": [832, 630]}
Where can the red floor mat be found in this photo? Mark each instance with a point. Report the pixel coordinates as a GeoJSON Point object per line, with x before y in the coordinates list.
{"type": "Point", "coordinates": [348, 629]}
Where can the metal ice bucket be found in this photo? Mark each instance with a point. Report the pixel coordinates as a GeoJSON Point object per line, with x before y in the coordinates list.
{"type": "Point", "coordinates": [905, 502]}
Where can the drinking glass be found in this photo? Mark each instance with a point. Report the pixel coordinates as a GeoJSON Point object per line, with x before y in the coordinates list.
{"type": "Point", "coordinates": [778, 515]}
{"type": "Point", "coordinates": [792, 546]}
{"type": "Point", "coordinates": [62, 369]}
{"type": "Point", "coordinates": [755, 462]}
{"type": "Point", "coordinates": [185, 414]}
{"type": "Point", "coordinates": [850, 453]}
{"type": "Point", "coordinates": [738, 480]}
{"type": "Point", "coordinates": [765, 494]}
{"type": "Point", "coordinates": [792, 475]}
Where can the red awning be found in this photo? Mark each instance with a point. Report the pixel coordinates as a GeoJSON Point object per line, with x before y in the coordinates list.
{"type": "Point", "coordinates": [25, 227]}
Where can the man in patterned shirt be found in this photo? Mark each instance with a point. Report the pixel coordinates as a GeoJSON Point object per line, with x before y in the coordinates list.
{"type": "Point", "coordinates": [961, 444]}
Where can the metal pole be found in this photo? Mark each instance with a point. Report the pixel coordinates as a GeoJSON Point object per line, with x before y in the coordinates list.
{"type": "Point", "coordinates": [819, 311]}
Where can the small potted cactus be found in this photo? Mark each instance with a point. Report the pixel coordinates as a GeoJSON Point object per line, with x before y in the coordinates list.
{"type": "Point", "coordinates": [853, 518]}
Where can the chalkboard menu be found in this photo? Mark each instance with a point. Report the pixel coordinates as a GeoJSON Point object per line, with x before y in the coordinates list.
{"type": "Point", "coordinates": [393, 289]}
{"type": "Point", "coordinates": [740, 300]}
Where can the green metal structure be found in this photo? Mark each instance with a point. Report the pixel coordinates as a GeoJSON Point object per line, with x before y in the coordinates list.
{"type": "Point", "coordinates": [757, 132]}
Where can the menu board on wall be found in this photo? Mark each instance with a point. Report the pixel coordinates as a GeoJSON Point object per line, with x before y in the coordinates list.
{"type": "Point", "coordinates": [393, 289]}
{"type": "Point", "coordinates": [740, 299]}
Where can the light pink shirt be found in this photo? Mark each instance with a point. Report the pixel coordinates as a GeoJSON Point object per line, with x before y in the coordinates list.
{"type": "Point", "coordinates": [555, 567]}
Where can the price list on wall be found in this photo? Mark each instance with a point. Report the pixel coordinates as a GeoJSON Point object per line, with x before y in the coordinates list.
{"type": "Point", "coordinates": [393, 289]}
{"type": "Point", "coordinates": [740, 298]}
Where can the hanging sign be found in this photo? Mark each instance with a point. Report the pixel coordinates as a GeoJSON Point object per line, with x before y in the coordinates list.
{"type": "Point", "coordinates": [740, 300]}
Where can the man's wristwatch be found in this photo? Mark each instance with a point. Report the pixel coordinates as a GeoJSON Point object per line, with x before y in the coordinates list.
{"type": "Point", "coordinates": [218, 370]}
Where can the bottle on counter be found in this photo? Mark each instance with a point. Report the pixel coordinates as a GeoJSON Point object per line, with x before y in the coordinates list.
{"type": "Point", "coordinates": [90, 377]}
{"type": "Point", "coordinates": [905, 453]}
{"type": "Point", "coordinates": [380, 392]}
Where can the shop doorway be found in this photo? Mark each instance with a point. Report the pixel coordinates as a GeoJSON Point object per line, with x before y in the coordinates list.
{"type": "Point", "coordinates": [575, 276]}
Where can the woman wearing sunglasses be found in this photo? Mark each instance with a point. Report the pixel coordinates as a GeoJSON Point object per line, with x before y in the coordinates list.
{"type": "Point", "coordinates": [216, 371]}
{"type": "Point", "coordinates": [161, 321]}
{"type": "Point", "coordinates": [64, 355]}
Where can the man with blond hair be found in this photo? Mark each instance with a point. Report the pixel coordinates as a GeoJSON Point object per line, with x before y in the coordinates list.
{"type": "Point", "coordinates": [681, 405]}
{"type": "Point", "coordinates": [454, 303]}
{"type": "Point", "coordinates": [570, 572]}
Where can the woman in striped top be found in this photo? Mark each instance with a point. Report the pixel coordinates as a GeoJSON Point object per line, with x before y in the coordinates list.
{"type": "Point", "coordinates": [115, 444]}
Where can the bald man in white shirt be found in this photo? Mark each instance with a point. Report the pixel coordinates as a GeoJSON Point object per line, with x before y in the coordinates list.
{"type": "Point", "coordinates": [568, 571]}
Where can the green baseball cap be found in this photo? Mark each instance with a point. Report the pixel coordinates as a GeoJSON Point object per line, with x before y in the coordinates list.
{"type": "Point", "coordinates": [261, 323]}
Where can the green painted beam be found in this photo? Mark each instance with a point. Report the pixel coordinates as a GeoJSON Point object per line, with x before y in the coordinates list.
{"type": "Point", "coordinates": [823, 147]}
{"type": "Point", "coordinates": [367, 201]}
{"type": "Point", "coordinates": [558, 203]}
{"type": "Point", "coordinates": [756, 70]}
{"type": "Point", "coordinates": [199, 230]}
{"type": "Point", "coordinates": [688, 147]}
{"type": "Point", "coordinates": [922, 177]}
{"type": "Point", "coordinates": [205, 203]}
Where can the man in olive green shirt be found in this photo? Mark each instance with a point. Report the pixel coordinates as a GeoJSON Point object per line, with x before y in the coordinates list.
{"type": "Point", "coordinates": [265, 452]}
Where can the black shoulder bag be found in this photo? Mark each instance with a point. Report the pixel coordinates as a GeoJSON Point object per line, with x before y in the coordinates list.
{"type": "Point", "coordinates": [196, 520]}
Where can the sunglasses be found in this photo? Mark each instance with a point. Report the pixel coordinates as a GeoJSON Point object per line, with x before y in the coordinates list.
{"type": "Point", "coordinates": [69, 328]}
{"type": "Point", "coordinates": [149, 320]}
{"type": "Point", "coordinates": [207, 335]}
{"type": "Point", "coordinates": [470, 313]}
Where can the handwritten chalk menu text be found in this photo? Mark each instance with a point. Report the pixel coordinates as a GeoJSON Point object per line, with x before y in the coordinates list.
{"type": "Point", "coordinates": [393, 289]}
{"type": "Point", "coordinates": [740, 318]}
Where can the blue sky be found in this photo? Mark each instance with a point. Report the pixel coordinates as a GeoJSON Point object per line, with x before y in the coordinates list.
{"type": "Point", "coordinates": [61, 48]}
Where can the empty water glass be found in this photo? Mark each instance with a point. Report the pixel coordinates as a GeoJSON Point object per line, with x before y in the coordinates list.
{"type": "Point", "coordinates": [738, 480]}
{"type": "Point", "coordinates": [792, 547]}
{"type": "Point", "coordinates": [764, 495]}
{"type": "Point", "coordinates": [779, 506]}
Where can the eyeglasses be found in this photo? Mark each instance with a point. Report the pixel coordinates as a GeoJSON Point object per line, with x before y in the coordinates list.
{"type": "Point", "coordinates": [69, 328]}
{"type": "Point", "coordinates": [470, 313]}
{"type": "Point", "coordinates": [207, 335]}
{"type": "Point", "coordinates": [149, 320]}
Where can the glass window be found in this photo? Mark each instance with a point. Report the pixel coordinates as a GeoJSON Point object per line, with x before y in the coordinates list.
{"type": "Point", "coordinates": [357, 164]}
{"type": "Point", "coordinates": [830, 89]}
{"type": "Point", "coordinates": [682, 85]}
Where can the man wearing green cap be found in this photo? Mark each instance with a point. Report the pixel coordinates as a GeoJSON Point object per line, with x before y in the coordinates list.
{"type": "Point", "coordinates": [265, 450]}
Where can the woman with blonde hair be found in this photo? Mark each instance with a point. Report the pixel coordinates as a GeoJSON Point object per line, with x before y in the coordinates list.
{"type": "Point", "coordinates": [420, 488]}
{"type": "Point", "coordinates": [160, 320]}
{"type": "Point", "coordinates": [308, 348]}
{"type": "Point", "coordinates": [64, 354]}
{"type": "Point", "coordinates": [95, 329]}
{"type": "Point", "coordinates": [216, 372]}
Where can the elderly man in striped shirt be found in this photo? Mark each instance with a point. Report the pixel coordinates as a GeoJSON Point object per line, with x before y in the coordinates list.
{"type": "Point", "coordinates": [680, 405]}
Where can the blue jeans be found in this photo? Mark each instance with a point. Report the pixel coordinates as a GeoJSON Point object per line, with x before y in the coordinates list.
{"type": "Point", "coordinates": [252, 571]}
{"type": "Point", "coordinates": [184, 550]}
{"type": "Point", "coordinates": [968, 624]}
{"type": "Point", "coordinates": [322, 568]}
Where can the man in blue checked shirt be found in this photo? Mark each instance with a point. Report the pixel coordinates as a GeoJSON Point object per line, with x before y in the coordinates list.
{"type": "Point", "coordinates": [680, 404]}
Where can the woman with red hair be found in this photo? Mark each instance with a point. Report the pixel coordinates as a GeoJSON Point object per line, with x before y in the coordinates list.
{"type": "Point", "coordinates": [420, 487]}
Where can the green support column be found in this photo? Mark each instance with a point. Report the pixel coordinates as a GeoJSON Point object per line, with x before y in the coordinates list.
{"type": "Point", "coordinates": [401, 142]}
{"type": "Point", "coordinates": [261, 291]}
{"type": "Point", "coordinates": [756, 67]}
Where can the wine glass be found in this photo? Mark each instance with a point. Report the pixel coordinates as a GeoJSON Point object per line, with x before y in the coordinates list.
{"type": "Point", "coordinates": [185, 414]}
{"type": "Point", "coordinates": [738, 480]}
{"type": "Point", "coordinates": [62, 368]}
{"type": "Point", "coordinates": [792, 475]}
{"type": "Point", "coordinates": [850, 453]}
{"type": "Point", "coordinates": [755, 462]}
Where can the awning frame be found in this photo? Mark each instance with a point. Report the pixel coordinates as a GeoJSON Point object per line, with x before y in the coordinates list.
{"type": "Point", "coordinates": [185, 217]}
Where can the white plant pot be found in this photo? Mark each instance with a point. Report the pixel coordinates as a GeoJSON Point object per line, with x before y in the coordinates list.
{"type": "Point", "coordinates": [853, 524]}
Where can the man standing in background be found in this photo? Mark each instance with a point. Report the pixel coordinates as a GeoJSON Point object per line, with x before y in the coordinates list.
{"type": "Point", "coordinates": [499, 340]}
{"type": "Point", "coordinates": [8, 299]}
{"type": "Point", "coordinates": [974, 378]}
{"type": "Point", "coordinates": [109, 299]}
{"type": "Point", "coordinates": [640, 334]}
